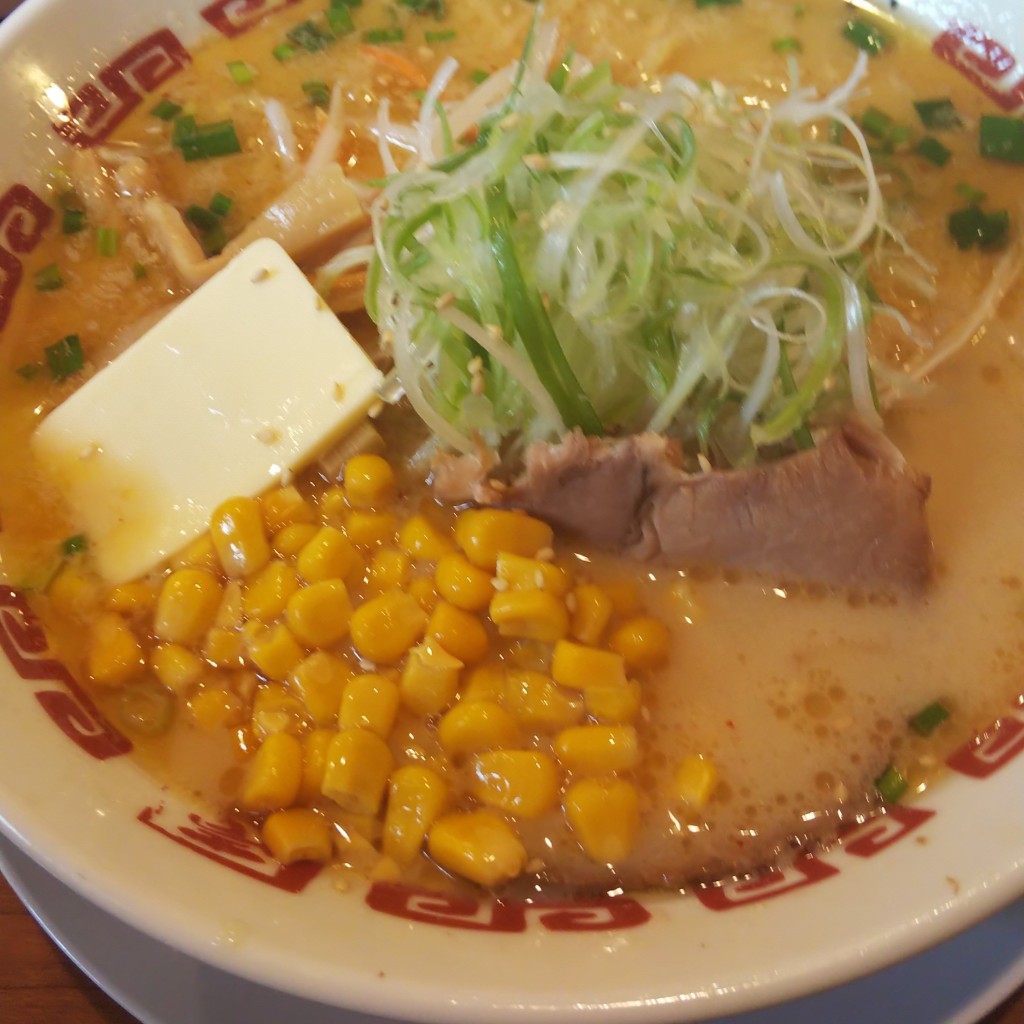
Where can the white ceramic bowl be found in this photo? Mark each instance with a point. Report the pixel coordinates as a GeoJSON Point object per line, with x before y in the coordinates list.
{"type": "Point", "coordinates": [75, 803]}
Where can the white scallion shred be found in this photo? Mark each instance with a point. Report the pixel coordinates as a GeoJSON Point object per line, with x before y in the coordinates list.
{"type": "Point", "coordinates": [624, 259]}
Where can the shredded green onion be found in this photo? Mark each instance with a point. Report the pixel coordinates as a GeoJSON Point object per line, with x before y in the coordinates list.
{"type": "Point", "coordinates": [166, 110]}
{"type": "Point", "coordinates": [891, 785]}
{"type": "Point", "coordinates": [865, 36]}
{"type": "Point", "coordinates": [108, 241]}
{"type": "Point", "coordinates": [49, 278]}
{"type": "Point", "coordinates": [72, 221]}
{"type": "Point", "coordinates": [64, 358]}
{"type": "Point", "coordinates": [1001, 138]}
{"type": "Point", "coordinates": [937, 115]}
{"type": "Point", "coordinates": [929, 718]}
{"type": "Point", "coordinates": [932, 150]}
{"type": "Point", "coordinates": [620, 260]}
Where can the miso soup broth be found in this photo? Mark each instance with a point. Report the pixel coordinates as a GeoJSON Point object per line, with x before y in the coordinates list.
{"type": "Point", "coordinates": [787, 701]}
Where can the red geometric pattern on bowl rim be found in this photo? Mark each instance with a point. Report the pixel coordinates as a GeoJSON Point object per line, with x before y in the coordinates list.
{"type": "Point", "coordinates": [91, 114]}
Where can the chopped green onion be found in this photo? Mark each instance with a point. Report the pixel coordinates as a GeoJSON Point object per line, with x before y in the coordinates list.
{"type": "Point", "coordinates": [318, 92]}
{"type": "Point", "coordinates": [64, 358]}
{"type": "Point", "coordinates": [139, 271]}
{"type": "Point", "coordinates": [479, 75]}
{"type": "Point", "coordinates": [891, 785]}
{"type": "Point", "coordinates": [203, 218]}
{"type": "Point", "coordinates": [335, 4]}
{"type": "Point", "coordinates": [937, 115]}
{"type": "Point", "coordinates": [221, 204]}
{"type": "Point", "coordinates": [932, 150]}
{"type": "Point", "coordinates": [787, 44]}
{"type": "Point", "coordinates": [339, 20]}
{"type": "Point", "coordinates": [310, 36]}
{"type": "Point", "coordinates": [75, 545]}
{"type": "Point", "coordinates": [72, 221]}
{"type": "Point", "coordinates": [865, 35]}
{"type": "Point", "coordinates": [108, 241]}
{"type": "Point", "coordinates": [28, 370]}
{"type": "Point", "coordinates": [283, 52]}
{"type": "Point", "coordinates": [49, 279]}
{"type": "Point", "coordinates": [213, 240]}
{"type": "Point", "coordinates": [241, 72]}
{"type": "Point", "coordinates": [166, 110]}
{"type": "Point", "coordinates": [928, 719]}
{"type": "Point", "coordinates": [876, 122]}
{"type": "Point", "coordinates": [1002, 138]}
{"type": "Point", "coordinates": [716, 3]}
{"type": "Point", "coordinates": [439, 37]}
{"type": "Point", "coordinates": [969, 193]}
{"type": "Point", "coordinates": [383, 35]}
{"type": "Point", "coordinates": [973, 226]}
{"type": "Point", "coordinates": [202, 141]}
{"type": "Point", "coordinates": [434, 7]}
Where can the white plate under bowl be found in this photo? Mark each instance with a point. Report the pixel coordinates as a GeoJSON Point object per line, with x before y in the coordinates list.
{"type": "Point", "coordinates": [72, 800]}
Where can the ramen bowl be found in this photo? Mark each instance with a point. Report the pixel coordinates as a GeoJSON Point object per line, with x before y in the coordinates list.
{"type": "Point", "coordinates": [75, 800]}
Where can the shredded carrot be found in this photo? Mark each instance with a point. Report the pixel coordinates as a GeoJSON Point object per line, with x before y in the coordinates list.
{"type": "Point", "coordinates": [397, 63]}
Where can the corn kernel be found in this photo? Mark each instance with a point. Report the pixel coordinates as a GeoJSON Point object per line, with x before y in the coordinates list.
{"type": "Point", "coordinates": [483, 534]}
{"type": "Point", "coordinates": [230, 610]}
{"type": "Point", "coordinates": [530, 615]}
{"type": "Point", "coordinates": [644, 642]}
{"type": "Point", "coordinates": [187, 605]}
{"type": "Point", "coordinates": [477, 845]}
{"type": "Point", "coordinates": [333, 506]}
{"type": "Point", "coordinates": [422, 541]}
{"type": "Point", "coordinates": [460, 633]}
{"type": "Point", "coordinates": [291, 539]}
{"type": "Point", "coordinates": [624, 596]}
{"type": "Point", "coordinates": [605, 815]}
{"type": "Point", "coordinates": [520, 573]}
{"type": "Point", "coordinates": [694, 781]}
{"type": "Point", "coordinates": [135, 598]}
{"type": "Point", "coordinates": [223, 647]}
{"type": "Point", "coordinates": [368, 481]}
{"type": "Point", "coordinates": [598, 749]}
{"type": "Point", "coordinates": [274, 774]}
{"type": "Point", "coordinates": [430, 679]}
{"type": "Point", "coordinates": [283, 507]}
{"type": "Point", "coordinates": [328, 555]}
{"type": "Point", "coordinates": [198, 554]}
{"type": "Point", "coordinates": [484, 682]}
{"type": "Point", "coordinates": [369, 701]}
{"type": "Point", "coordinates": [176, 666]}
{"type": "Point", "coordinates": [276, 709]}
{"type": "Point", "coordinates": [536, 702]}
{"type": "Point", "coordinates": [214, 708]}
{"type": "Point", "coordinates": [267, 593]}
{"type": "Point", "coordinates": [319, 614]}
{"type": "Point", "coordinates": [579, 667]}
{"type": "Point", "coordinates": [416, 797]}
{"type": "Point", "coordinates": [115, 655]}
{"type": "Point", "coordinates": [615, 704]}
{"type": "Point", "coordinates": [519, 782]}
{"type": "Point", "coordinates": [358, 765]}
{"type": "Point", "coordinates": [463, 584]}
{"type": "Point", "coordinates": [422, 588]}
{"type": "Point", "coordinates": [314, 761]}
{"type": "Point", "coordinates": [592, 608]}
{"type": "Point", "coordinates": [386, 626]}
{"type": "Point", "coordinates": [320, 680]}
{"type": "Point", "coordinates": [476, 725]}
{"type": "Point", "coordinates": [274, 651]}
{"type": "Point", "coordinates": [236, 528]}
{"type": "Point", "coordinates": [388, 570]}
{"type": "Point", "coordinates": [73, 593]}
{"type": "Point", "coordinates": [298, 834]}
{"type": "Point", "coordinates": [369, 529]}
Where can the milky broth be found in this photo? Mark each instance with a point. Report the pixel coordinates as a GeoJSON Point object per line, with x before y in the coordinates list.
{"type": "Point", "coordinates": [799, 697]}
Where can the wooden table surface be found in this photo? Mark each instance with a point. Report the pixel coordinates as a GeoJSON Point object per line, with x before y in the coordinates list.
{"type": "Point", "coordinates": [40, 985]}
